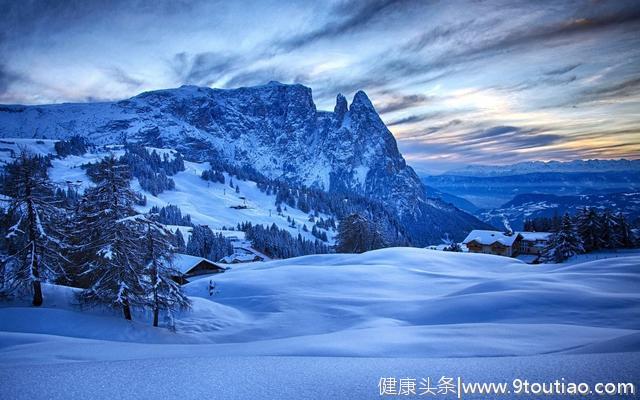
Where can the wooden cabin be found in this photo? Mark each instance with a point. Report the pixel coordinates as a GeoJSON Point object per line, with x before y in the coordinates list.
{"type": "Point", "coordinates": [533, 242]}
{"type": "Point", "coordinates": [493, 242]}
{"type": "Point", "coordinates": [188, 266]}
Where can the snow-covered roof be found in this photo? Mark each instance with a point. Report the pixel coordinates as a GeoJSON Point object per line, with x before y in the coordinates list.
{"type": "Point", "coordinates": [185, 263]}
{"type": "Point", "coordinates": [490, 237]}
{"type": "Point", "coordinates": [248, 257]}
{"type": "Point", "coordinates": [532, 236]}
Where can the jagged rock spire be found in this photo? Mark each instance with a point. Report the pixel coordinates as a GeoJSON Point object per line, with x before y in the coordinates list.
{"type": "Point", "coordinates": [341, 107]}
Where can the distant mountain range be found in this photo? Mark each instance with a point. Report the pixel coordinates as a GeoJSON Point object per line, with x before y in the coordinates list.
{"type": "Point", "coordinates": [274, 128]}
{"type": "Point", "coordinates": [540, 189]}
{"type": "Point", "coordinates": [493, 191]}
{"type": "Point", "coordinates": [530, 167]}
{"type": "Point", "coordinates": [528, 206]}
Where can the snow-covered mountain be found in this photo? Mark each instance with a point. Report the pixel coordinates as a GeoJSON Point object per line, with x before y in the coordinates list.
{"type": "Point", "coordinates": [530, 167]}
{"type": "Point", "coordinates": [274, 128]}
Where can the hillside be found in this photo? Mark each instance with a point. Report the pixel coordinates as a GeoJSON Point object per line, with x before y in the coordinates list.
{"type": "Point", "coordinates": [275, 128]}
{"type": "Point", "coordinates": [208, 203]}
{"type": "Point", "coordinates": [414, 308]}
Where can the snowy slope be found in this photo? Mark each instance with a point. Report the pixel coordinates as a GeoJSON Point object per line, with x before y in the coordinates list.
{"type": "Point", "coordinates": [208, 203]}
{"type": "Point", "coordinates": [348, 320]}
{"type": "Point", "coordinates": [398, 302]}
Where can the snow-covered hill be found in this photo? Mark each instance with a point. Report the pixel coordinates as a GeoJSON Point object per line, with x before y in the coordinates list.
{"type": "Point", "coordinates": [274, 128]}
{"type": "Point", "coordinates": [397, 302]}
{"type": "Point", "coordinates": [426, 313]}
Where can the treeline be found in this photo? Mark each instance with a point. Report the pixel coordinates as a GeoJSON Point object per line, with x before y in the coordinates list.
{"type": "Point", "coordinates": [118, 257]}
{"type": "Point", "coordinates": [279, 243]}
{"type": "Point", "coordinates": [588, 231]}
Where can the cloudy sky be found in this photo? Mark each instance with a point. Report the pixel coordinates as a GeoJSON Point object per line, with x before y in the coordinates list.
{"type": "Point", "coordinates": [457, 82]}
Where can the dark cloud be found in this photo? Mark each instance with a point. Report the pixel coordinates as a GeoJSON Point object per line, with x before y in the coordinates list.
{"type": "Point", "coordinates": [401, 102]}
{"type": "Point", "coordinates": [121, 76]}
{"type": "Point", "coordinates": [412, 119]}
{"type": "Point", "coordinates": [347, 17]}
{"type": "Point", "coordinates": [264, 75]}
{"type": "Point", "coordinates": [626, 88]}
{"type": "Point", "coordinates": [202, 68]}
{"type": "Point", "coordinates": [494, 42]}
{"type": "Point", "coordinates": [7, 78]}
{"type": "Point", "coordinates": [563, 70]}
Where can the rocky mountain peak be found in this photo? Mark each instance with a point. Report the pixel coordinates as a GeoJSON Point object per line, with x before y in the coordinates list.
{"type": "Point", "coordinates": [274, 128]}
{"type": "Point", "coordinates": [361, 103]}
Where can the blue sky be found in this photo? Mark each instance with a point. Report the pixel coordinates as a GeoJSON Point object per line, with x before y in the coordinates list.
{"type": "Point", "coordinates": [457, 82]}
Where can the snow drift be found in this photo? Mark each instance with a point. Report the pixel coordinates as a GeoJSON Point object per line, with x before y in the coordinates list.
{"type": "Point", "coordinates": [399, 302]}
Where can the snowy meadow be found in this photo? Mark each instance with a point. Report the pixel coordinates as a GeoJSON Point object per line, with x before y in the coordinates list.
{"type": "Point", "coordinates": [282, 329]}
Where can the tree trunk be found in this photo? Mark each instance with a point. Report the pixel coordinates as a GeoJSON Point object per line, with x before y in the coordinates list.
{"type": "Point", "coordinates": [37, 293]}
{"type": "Point", "coordinates": [155, 316]}
{"type": "Point", "coordinates": [126, 310]}
{"type": "Point", "coordinates": [35, 272]}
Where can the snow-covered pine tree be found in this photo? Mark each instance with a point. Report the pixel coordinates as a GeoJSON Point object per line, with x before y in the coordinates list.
{"type": "Point", "coordinates": [357, 234]}
{"type": "Point", "coordinates": [35, 240]}
{"type": "Point", "coordinates": [563, 243]}
{"type": "Point", "coordinates": [111, 244]}
{"type": "Point", "coordinates": [165, 294]}
{"type": "Point", "coordinates": [610, 230]}
{"type": "Point", "coordinates": [589, 227]}
{"type": "Point", "coordinates": [179, 241]}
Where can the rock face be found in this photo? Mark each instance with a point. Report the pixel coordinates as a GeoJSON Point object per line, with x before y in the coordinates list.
{"type": "Point", "coordinates": [275, 128]}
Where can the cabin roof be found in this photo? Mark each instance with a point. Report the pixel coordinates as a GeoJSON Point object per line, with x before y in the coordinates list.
{"type": "Point", "coordinates": [185, 263]}
{"type": "Point", "coordinates": [535, 235]}
{"type": "Point", "coordinates": [490, 237]}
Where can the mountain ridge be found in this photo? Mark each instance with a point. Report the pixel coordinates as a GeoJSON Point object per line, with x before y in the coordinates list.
{"type": "Point", "coordinates": [275, 128]}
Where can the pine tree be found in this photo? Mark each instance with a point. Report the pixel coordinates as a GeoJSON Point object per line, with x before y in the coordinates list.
{"type": "Point", "coordinates": [35, 234]}
{"type": "Point", "coordinates": [111, 244]}
{"type": "Point", "coordinates": [624, 232]}
{"type": "Point", "coordinates": [589, 227]}
{"type": "Point", "coordinates": [610, 231]}
{"type": "Point", "coordinates": [564, 243]}
{"type": "Point", "coordinates": [165, 294]}
{"type": "Point", "coordinates": [357, 234]}
{"type": "Point", "coordinates": [179, 239]}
